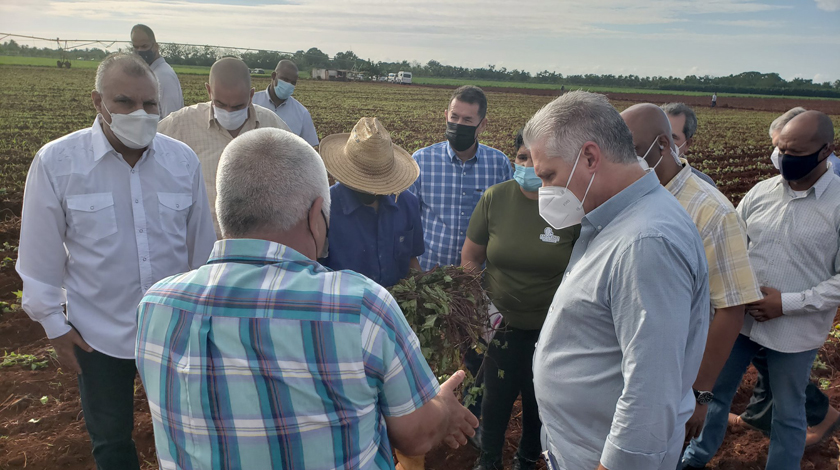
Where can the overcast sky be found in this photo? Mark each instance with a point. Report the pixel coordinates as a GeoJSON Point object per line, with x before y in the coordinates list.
{"type": "Point", "coordinates": [796, 38]}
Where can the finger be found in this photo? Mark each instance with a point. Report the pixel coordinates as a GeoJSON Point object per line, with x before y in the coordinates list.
{"type": "Point", "coordinates": [472, 419]}
{"type": "Point", "coordinates": [466, 428]}
{"type": "Point", "coordinates": [451, 442]}
{"type": "Point", "coordinates": [453, 382]}
{"type": "Point", "coordinates": [460, 438]}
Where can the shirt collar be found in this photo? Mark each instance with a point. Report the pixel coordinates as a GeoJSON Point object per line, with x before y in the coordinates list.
{"type": "Point", "coordinates": [101, 146]}
{"type": "Point", "coordinates": [602, 215]}
{"type": "Point", "coordinates": [451, 153]}
{"type": "Point", "coordinates": [276, 106]}
{"type": "Point", "coordinates": [349, 202]}
{"type": "Point", "coordinates": [157, 63]}
{"type": "Point", "coordinates": [253, 251]}
{"type": "Point", "coordinates": [678, 182]}
{"type": "Point", "coordinates": [819, 187]}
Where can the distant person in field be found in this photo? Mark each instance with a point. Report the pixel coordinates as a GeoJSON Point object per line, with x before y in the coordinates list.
{"type": "Point", "coordinates": [822, 418]}
{"type": "Point", "coordinates": [453, 176]}
{"type": "Point", "coordinates": [264, 359]}
{"type": "Point", "coordinates": [278, 98]}
{"type": "Point", "coordinates": [683, 128]}
{"type": "Point", "coordinates": [144, 44]}
{"type": "Point", "coordinates": [732, 283]}
{"type": "Point", "coordinates": [376, 228]}
{"type": "Point", "coordinates": [208, 127]}
{"type": "Point", "coordinates": [792, 224]}
{"type": "Point", "coordinates": [526, 259]}
{"type": "Point", "coordinates": [714, 99]}
{"type": "Point", "coordinates": [107, 212]}
{"type": "Point", "coordinates": [624, 337]}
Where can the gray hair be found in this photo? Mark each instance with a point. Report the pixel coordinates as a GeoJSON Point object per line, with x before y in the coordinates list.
{"type": "Point", "coordinates": [578, 117]}
{"type": "Point", "coordinates": [268, 179]}
{"type": "Point", "coordinates": [131, 64]}
{"type": "Point", "coordinates": [781, 121]}
{"type": "Point", "coordinates": [677, 109]}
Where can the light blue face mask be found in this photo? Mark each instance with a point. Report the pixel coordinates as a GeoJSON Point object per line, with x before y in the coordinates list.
{"type": "Point", "coordinates": [283, 90]}
{"type": "Point", "coordinates": [527, 178]}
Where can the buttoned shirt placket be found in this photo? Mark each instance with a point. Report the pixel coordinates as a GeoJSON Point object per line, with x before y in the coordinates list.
{"type": "Point", "coordinates": [138, 213]}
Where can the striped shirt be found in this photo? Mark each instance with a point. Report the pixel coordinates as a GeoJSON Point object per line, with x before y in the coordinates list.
{"type": "Point", "coordinates": [794, 247]}
{"type": "Point", "coordinates": [265, 359]}
{"type": "Point", "coordinates": [449, 190]}
{"type": "Point", "coordinates": [731, 278]}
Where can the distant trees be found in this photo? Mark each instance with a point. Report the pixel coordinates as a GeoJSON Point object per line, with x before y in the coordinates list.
{"type": "Point", "coordinates": [746, 82]}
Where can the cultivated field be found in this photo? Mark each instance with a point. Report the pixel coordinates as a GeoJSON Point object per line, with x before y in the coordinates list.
{"type": "Point", "coordinates": [40, 414]}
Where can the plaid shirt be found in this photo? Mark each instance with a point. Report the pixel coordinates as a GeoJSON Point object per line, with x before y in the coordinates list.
{"type": "Point", "coordinates": [265, 359]}
{"type": "Point", "coordinates": [731, 278]}
{"type": "Point", "coordinates": [449, 190]}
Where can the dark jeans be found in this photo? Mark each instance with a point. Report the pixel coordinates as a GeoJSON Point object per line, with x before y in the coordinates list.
{"type": "Point", "coordinates": [507, 374]}
{"type": "Point", "coordinates": [472, 361]}
{"type": "Point", "coordinates": [106, 386]}
{"type": "Point", "coordinates": [759, 412]}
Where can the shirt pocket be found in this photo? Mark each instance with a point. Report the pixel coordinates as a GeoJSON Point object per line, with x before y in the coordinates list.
{"type": "Point", "coordinates": [403, 243]}
{"type": "Point", "coordinates": [93, 215]}
{"type": "Point", "coordinates": [173, 212]}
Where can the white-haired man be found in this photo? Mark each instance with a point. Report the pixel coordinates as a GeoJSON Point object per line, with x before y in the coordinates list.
{"type": "Point", "coordinates": [282, 362]}
{"type": "Point", "coordinates": [208, 127]}
{"type": "Point", "coordinates": [145, 45]}
{"type": "Point", "coordinates": [108, 211]}
{"type": "Point", "coordinates": [624, 337]}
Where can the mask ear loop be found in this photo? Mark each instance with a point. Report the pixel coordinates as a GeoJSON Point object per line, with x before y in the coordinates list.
{"type": "Point", "coordinates": [573, 169]}
{"type": "Point", "coordinates": [587, 191]}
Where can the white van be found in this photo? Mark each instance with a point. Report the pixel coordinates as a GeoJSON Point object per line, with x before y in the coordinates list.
{"type": "Point", "coordinates": [392, 77]}
{"type": "Point", "coordinates": [404, 78]}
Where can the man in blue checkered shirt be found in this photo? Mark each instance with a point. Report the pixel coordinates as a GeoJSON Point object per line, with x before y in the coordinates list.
{"type": "Point", "coordinates": [453, 176]}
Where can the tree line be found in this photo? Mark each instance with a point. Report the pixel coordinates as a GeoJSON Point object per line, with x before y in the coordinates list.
{"type": "Point", "coordinates": [746, 82]}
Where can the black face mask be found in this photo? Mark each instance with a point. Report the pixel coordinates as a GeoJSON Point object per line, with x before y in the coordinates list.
{"type": "Point", "coordinates": [795, 168]}
{"type": "Point", "coordinates": [460, 136]}
{"type": "Point", "coordinates": [365, 198]}
{"type": "Point", "coordinates": [148, 56]}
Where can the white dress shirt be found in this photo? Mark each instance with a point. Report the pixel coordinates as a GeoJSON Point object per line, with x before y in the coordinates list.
{"type": "Point", "coordinates": [99, 233]}
{"type": "Point", "coordinates": [794, 247]}
{"type": "Point", "coordinates": [294, 114]}
{"type": "Point", "coordinates": [171, 98]}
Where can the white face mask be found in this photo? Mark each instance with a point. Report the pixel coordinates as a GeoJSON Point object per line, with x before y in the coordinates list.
{"type": "Point", "coordinates": [774, 157]}
{"type": "Point", "coordinates": [135, 130]}
{"type": "Point", "coordinates": [559, 206]}
{"type": "Point", "coordinates": [230, 120]}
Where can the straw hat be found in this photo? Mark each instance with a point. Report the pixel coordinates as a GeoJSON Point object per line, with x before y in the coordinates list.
{"type": "Point", "coordinates": [366, 159]}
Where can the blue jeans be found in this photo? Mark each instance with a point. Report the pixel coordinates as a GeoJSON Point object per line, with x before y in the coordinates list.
{"type": "Point", "coordinates": [788, 375]}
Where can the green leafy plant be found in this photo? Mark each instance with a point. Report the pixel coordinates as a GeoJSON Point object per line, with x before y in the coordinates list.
{"type": "Point", "coordinates": [11, 359]}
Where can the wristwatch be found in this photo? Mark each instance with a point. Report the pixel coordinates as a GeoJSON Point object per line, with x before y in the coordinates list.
{"type": "Point", "coordinates": [703, 398]}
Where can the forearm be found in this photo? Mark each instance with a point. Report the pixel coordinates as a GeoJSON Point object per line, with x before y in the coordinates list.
{"type": "Point", "coordinates": [723, 332]}
{"type": "Point", "coordinates": [414, 264]}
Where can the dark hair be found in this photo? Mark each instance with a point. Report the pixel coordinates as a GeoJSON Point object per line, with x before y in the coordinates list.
{"type": "Point", "coordinates": [676, 109]}
{"type": "Point", "coordinates": [518, 141]}
{"type": "Point", "coordinates": [471, 95]}
{"type": "Point", "coordinates": [147, 30]}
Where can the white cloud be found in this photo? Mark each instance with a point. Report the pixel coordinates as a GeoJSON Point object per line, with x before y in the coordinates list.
{"type": "Point", "coordinates": [749, 23]}
{"type": "Point", "coordinates": [828, 5]}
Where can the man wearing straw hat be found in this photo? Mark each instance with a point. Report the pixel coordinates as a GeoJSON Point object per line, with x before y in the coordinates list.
{"type": "Point", "coordinates": [375, 223]}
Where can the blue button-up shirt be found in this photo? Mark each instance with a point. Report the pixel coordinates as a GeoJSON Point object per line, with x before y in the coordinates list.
{"type": "Point", "coordinates": [624, 337]}
{"type": "Point", "coordinates": [265, 359]}
{"type": "Point", "coordinates": [449, 190]}
{"type": "Point", "coordinates": [378, 244]}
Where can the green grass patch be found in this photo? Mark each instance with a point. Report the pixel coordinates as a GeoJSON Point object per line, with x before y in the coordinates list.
{"type": "Point", "coordinates": [596, 89]}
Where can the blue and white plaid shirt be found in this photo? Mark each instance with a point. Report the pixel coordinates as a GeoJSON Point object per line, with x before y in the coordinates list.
{"type": "Point", "coordinates": [449, 190]}
{"type": "Point", "coordinates": [265, 359]}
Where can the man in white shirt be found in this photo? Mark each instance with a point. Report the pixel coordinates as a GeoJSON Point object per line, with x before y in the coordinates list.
{"type": "Point", "coordinates": [144, 44]}
{"type": "Point", "coordinates": [107, 212]}
{"type": "Point", "coordinates": [792, 224]}
{"type": "Point", "coordinates": [278, 98]}
{"type": "Point", "coordinates": [208, 127]}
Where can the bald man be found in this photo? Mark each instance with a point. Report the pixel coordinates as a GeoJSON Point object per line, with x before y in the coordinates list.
{"type": "Point", "coordinates": [145, 45]}
{"type": "Point", "coordinates": [278, 97]}
{"type": "Point", "coordinates": [732, 283]}
{"type": "Point", "coordinates": [792, 223]}
{"type": "Point", "coordinates": [208, 127]}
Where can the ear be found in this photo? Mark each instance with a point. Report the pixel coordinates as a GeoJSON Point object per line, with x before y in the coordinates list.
{"type": "Point", "coordinates": [591, 157]}
{"type": "Point", "coordinates": [688, 143]}
{"type": "Point", "coordinates": [156, 48]}
{"type": "Point", "coordinates": [273, 76]}
{"type": "Point", "coordinates": [97, 101]}
{"type": "Point", "coordinates": [252, 94]}
{"type": "Point", "coordinates": [446, 114]}
{"type": "Point", "coordinates": [662, 140]}
{"type": "Point", "coordinates": [482, 126]}
{"type": "Point", "coordinates": [317, 224]}
{"type": "Point", "coordinates": [207, 87]}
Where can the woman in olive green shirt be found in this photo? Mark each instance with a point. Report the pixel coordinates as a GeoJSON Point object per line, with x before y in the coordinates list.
{"type": "Point", "coordinates": [526, 260]}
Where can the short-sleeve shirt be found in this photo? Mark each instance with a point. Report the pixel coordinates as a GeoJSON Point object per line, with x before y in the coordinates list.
{"type": "Point", "coordinates": [293, 113]}
{"type": "Point", "coordinates": [263, 359]}
{"type": "Point", "coordinates": [731, 278]}
{"type": "Point", "coordinates": [526, 258]}
{"type": "Point", "coordinates": [378, 244]}
{"type": "Point", "coordinates": [449, 189]}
